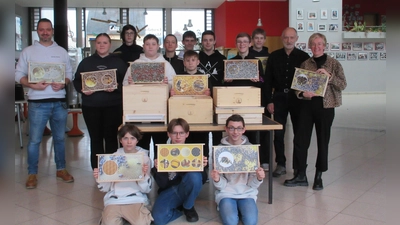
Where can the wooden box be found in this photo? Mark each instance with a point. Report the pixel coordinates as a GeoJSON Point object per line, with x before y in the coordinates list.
{"type": "Point", "coordinates": [194, 109]}
{"type": "Point", "coordinates": [249, 118]}
{"type": "Point", "coordinates": [145, 103]}
{"type": "Point", "coordinates": [237, 96]}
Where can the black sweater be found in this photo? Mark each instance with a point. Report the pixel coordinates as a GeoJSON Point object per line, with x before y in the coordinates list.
{"type": "Point", "coordinates": [176, 63]}
{"type": "Point", "coordinates": [214, 66]}
{"type": "Point", "coordinates": [248, 82]}
{"type": "Point", "coordinates": [128, 53]}
{"type": "Point", "coordinates": [95, 63]}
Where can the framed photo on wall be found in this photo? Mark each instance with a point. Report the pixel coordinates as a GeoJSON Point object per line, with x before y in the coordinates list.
{"type": "Point", "coordinates": [382, 56]}
{"type": "Point", "coordinates": [324, 14]}
{"type": "Point", "coordinates": [299, 14]}
{"type": "Point", "coordinates": [335, 46]}
{"type": "Point", "coordinates": [368, 46]}
{"type": "Point", "coordinates": [379, 46]}
{"type": "Point", "coordinates": [312, 15]}
{"type": "Point", "coordinates": [333, 27]}
{"type": "Point", "coordinates": [362, 56]}
{"type": "Point", "coordinates": [321, 27]}
{"type": "Point", "coordinates": [351, 56]}
{"type": "Point", "coordinates": [357, 46]}
{"type": "Point", "coordinates": [332, 54]}
{"type": "Point", "coordinates": [334, 14]}
{"type": "Point", "coordinates": [310, 26]}
{"type": "Point", "coordinates": [327, 46]}
{"type": "Point", "coordinates": [301, 46]}
{"type": "Point", "coordinates": [373, 56]}
{"type": "Point", "coordinates": [300, 26]}
{"type": "Point", "coordinates": [341, 56]}
{"type": "Point", "coordinates": [346, 46]}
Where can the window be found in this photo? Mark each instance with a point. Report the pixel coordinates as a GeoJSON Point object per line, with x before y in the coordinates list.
{"type": "Point", "coordinates": [190, 19]}
{"type": "Point", "coordinates": [153, 20]}
{"type": "Point", "coordinates": [98, 21]}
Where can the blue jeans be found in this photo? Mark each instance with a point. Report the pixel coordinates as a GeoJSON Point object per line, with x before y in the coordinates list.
{"type": "Point", "coordinates": [229, 209]}
{"type": "Point", "coordinates": [185, 194]}
{"type": "Point", "coordinates": [39, 114]}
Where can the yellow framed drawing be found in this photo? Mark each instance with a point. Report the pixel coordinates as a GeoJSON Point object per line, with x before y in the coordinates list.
{"type": "Point", "coordinates": [48, 72]}
{"type": "Point", "coordinates": [190, 84]}
{"type": "Point", "coordinates": [236, 158]}
{"type": "Point", "coordinates": [120, 167]}
{"type": "Point", "coordinates": [99, 80]}
{"type": "Point", "coordinates": [179, 157]}
{"type": "Point", "coordinates": [306, 80]}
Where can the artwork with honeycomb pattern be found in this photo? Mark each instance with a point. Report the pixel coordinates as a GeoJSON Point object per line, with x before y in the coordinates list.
{"type": "Point", "coordinates": [47, 72]}
{"type": "Point", "coordinates": [99, 80]}
{"type": "Point", "coordinates": [244, 69]}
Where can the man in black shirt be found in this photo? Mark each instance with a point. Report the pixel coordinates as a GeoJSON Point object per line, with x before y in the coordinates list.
{"type": "Point", "coordinates": [280, 99]}
{"type": "Point", "coordinates": [170, 45]}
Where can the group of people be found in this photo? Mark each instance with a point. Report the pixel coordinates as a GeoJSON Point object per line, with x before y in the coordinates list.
{"type": "Point", "coordinates": [102, 112]}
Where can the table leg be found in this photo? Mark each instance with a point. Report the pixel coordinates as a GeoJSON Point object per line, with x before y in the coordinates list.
{"type": "Point", "coordinates": [19, 124]}
{"type": "Point", "coordinates": [270, 168]}
{"type": "Point", "coordinates": [75, 131]}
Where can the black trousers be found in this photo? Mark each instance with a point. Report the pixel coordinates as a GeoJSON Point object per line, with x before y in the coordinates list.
{"type": "Point", "coordinates": [284, 103]}
{"type": "Point", "coordinates": [312, 113]}
{"type": "Point", "coordinates": [102, 124]}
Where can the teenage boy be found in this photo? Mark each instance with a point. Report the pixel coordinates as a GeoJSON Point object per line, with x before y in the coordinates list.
{"type": "Point", "coordinates": [129, 51]}
{"type": "Point", "coordinates": [127, 200]}
{"type": "Point", "coordinates": [258, 49]}
{"type": "Point", "coordinates": [189, 41]}
{"type": "Point", "coordinates": [177, 190]}
{"type": "Point", "coordinates": [170, 45]}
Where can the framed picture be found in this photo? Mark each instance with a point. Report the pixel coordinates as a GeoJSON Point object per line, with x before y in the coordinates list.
{"type": "Point", "coordinates": [333, 27]}
{"type": "Point", "coordinates": [263, 60]}
{"type": "Point", "coordinates": [48, 72]}
{"type": "Point", "coordinates": [357, 46]}
{"type": "Point", "coordinates": [362, 56]}
{"type": "Point", "coordinates": [351, 56]}
{"type": "Point", "coordinates": [341, 56]}
{"type": "Point", "coordinates": [180, 157]}
{"type": "Point", "coordinates": [120, 167]}
{"type": "Point", "coordinates": [334, 14]}
{"type": "Point", "coordinates": [368, 46]}
{"type": "Point", "coordinates": [373, 56]}
{"type": "Point", "coordinates": [335, 46]}
{"type": "Point", "coordinates": [301, 46]}
{"type": "Point", "coordinates": [379, 46]}
{"type": "Point", "coordinates": [332, 54]}
{"type": "Point", "coordinates": [241, 69]}
{"type": "Point", "coordinates": [99, 80]}
{"type": "Point", "coordinates": [346, 46]}
{"type": "Point", "coordinates": [382, 55]}
{"type": "Point", "coordinates": [321, 27]}
{"type": "Point", "coordinates": [300, 26]}
{"type": "Point", "coordinates": [324, 14]}
{"type": "Point", "coordinates": [236, 158]}
{"type": "Point", "coordinates": [310, 53]}
{"type": "Point", "coordinates": [310, 26]}
{"type": "Point", "coordinates": [306, 80]}
{"type": "Point", "coordinates": [312, 15]}
{"type": "Point", "coordinates": [327, 46]}
{"type": "Point", "coordinates": [147, 72]}
{"type": "Point", "coordinates": [18, 33]}
{"type": "Point", "coordinates": [190, 84]}
{"type": "Point", "coordinates": [299, 14]}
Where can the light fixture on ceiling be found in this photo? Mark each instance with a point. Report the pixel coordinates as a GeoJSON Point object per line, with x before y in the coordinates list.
{"type": "Point", "coordinates": [190, 23]}
{"type": "Point", "coordinates": [145, 12]}
{"type": "Point", "coordinates": [185, 27]}
{"type": "Point", "coordinates": [259, 24]}
{"type": "Point", "coordinates": [104, 11]}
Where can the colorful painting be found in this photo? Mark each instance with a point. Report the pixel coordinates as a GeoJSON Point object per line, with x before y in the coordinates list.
{"type": "Point", "coordinates": [190, 84]}
{"type": "Point", "coordinates": [180, 157]}
{"type": "Point", "coordinates": [99, 80]}
{"type": "Point", "coordinates": [120, 167]}
{"type": "Point", "coordinates": [47, 72]}
{"type": "Point", "coordinates": [148, 72]}
{"type": "Point", "coordinates": [241, 69]}
{"type": "Point", "coordinates": [236, 158]}
{"type": "Point", "coordinates": [306, 80]}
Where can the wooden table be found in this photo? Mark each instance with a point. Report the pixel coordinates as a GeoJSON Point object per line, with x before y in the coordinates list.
{"type": "Point", "coordinates": [267, 125]}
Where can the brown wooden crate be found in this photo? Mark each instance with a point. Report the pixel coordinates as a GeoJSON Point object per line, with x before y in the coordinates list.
{"type": "Point", "coordinates": [249, 118]}
{"type": "Point", "coordinates": [238, 109]}
{"type": "Point", "coordinates": [237, 96]}
{"type": "Point", "coordinates": [194, 109]}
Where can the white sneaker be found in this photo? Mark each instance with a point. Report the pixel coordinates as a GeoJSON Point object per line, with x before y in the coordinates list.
{"type": "Point", "coordinates": [265, 166]}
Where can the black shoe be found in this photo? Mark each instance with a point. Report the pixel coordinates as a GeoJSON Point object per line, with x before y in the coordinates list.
{"type": "Point", "coordinates": [318, 181]}
{"type": "Point", "coordinates": [191, 215]}
{"type": "Point", "coordinates": [298, 180]}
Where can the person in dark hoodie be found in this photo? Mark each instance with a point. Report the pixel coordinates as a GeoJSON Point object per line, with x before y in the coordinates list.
{"type": "Point", "coordinates": [258, 49]}
{"type": "Point", "coordinates": [129, 51]}
{"type": "Point", "coordinates": [102, 110]}
{"type": "Point", "coordinates": [170, 45]}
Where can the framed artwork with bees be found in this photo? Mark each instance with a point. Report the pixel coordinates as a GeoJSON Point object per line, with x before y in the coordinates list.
{"type": "Point", "coordinates": [147, 72]}
{"type": "Point", "coordinates": [306, 80]}
{"type": "Point", "coordinates": [179, 157]}
{"type": "Point", "coordinates": [99, 80]}
{"type": "Point", "coordinates": [48, 72]}
{"type": "Point", "coordinates": [236, 158]}
{"type": "Point", "coordinates": [120, 167]}
{"type": "Point", "coordinates": [244, 69]}
{"type": "Point", "coordinates": [190, 84]}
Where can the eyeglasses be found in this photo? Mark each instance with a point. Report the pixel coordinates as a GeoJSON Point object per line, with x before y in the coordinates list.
{"type": "Point", "coordinates": [232, 129]}
{"type": "Point", "coordinates": [129, 33]}
{"type": "Point", "coordinates": [242, 42]}
{"type": "Point", "coordinates": [176, 133]}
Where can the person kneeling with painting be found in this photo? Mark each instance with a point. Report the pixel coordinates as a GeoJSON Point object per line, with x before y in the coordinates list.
{"type": "Point", "coordinates": [236, 193]}
{"type": "Point", "coordinates": [177, 190]}
{"type": "Point", "coordinates": [125, 201]}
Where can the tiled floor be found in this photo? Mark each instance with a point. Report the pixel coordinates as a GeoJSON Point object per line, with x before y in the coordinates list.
{"type": "Point", "coordinates": [354, 190]}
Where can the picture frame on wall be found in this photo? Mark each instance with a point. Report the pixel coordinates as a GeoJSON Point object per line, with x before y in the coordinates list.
{"type": "Point", "coordinates": [327, 46]}
{"type": "Point", "coordinates": [382, 56]}
{"type": "Point", "coordinates": [321, 27]}
{"type": "Point", "coordinates": [346, 46]}
{"type": "Point", "coordinates": [332, 54]}
{"type": "Point", "coordinates": [357, 46]}
{"type": "Point", "coordinates": [341, 56]}
{"type": "Point", "coordinates": [300, 26]}
{"type": "Point", "coordinates": [333, 27]}
{"type": "Point", "coordinates": [299, 14]}
{"type": "Point", "coordinates": [362, 56]}
{"type": "Point", "coordinates": [351, 56]}
{"type": "Point", "coordinates": [379, 46]}
{"type": "Point", "coordinates": [301, 45]}
{"type": "Point", "coordinates": [368, 46]}
{"type": "Point", "coordinates": [312, 15]}
{"type": "Point", "coordinates": [310, 26]}
{"type": "Point", "coordinates": [373, 56]}
{"type": "Point", "coordinates": [335, 46]}
{"type": "Point", "coordinates": [334, 14]}
{"type": "Point", "coordinates": [324, 14]}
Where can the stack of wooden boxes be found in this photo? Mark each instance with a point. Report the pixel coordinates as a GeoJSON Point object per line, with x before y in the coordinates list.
{"type": "Point", "coordinates": [242, 100]}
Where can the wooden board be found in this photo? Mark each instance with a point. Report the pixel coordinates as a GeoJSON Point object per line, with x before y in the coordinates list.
{"type": "Point", "coordinates": [236, 158]}
{"type": "Point", "coordinates": [99, 80]}
{"type": "Point", "coordinates": [48, 72]}
{"type": "Point", "coordinates": [237, 96]}
{"type": "Point", "coordinates": [238, 109]}
{"type": "Point", "coordinates": [147, 72]}
{"type": "Point", "coordinates": [194, 109]}
{"type": "Point", "coordinates": [249, 118]}
{"type": "Point", "coordinates": [120, 167]}
{"type": "Point", "coordinates": [306, 80]}
{"type": "Point", "coordinates": [180, 157]}
{"type": "Point", "coordinates": [241, 69]}
{"type": "Point", "coordinates": [190, 84]}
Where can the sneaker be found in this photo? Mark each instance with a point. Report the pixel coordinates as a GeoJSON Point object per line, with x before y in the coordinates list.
{"type": "Point", "coordinates": [31, 182]}
{"type": "Point", "coordinates": [279, 170]}
{"type": "Point", "coordinates": [191, 215]}
{"type": "Point", "coordinates": [265, 166]}
{"type": "Point", "coordinates": [64, 176]}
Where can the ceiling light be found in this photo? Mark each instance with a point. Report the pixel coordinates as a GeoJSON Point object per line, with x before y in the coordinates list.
{"type": "Point", "coordinates": [190, 23]}
{"type": "Point", "coordinates": [259, 24]}
{"type": "Point", "coordinates": [145, 12]}
{"type": "Point", "coordinates": [104, 11]}
{"type": "Point", "coordinates": [185, 27]}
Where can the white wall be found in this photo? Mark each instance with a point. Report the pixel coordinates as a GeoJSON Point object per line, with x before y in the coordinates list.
{"type": "Point", "coordinates": [362, 76]}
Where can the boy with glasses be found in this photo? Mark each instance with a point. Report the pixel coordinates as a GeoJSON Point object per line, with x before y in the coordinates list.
{"type": "Point", "coordinates": [129, 51]}
{"type": "Point", "coordinates": [236, 193]}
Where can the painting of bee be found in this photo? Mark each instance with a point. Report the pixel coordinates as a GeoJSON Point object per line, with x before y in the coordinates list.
{"type": "Point", "coordinates": [236, 159]}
